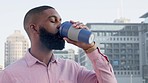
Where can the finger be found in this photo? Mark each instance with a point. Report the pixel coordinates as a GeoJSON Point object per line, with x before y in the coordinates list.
{"type": "Point", "coordinates": [71, 21]}
{"type": "Point", "coordinates": [81, 26]}
{"type": "Point", "coordinates": [69, 41]}
{"type": "Point", "coordinates": [84, 27]}
{"type": "Point", "coordinates": [78, 25]}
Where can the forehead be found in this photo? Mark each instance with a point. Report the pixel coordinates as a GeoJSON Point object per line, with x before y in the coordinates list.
{"type": "Point", "coordinates": [51, 12]}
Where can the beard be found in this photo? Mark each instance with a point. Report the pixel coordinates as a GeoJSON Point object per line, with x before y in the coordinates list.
{"type": "Point", "coordinates": [51, 41]}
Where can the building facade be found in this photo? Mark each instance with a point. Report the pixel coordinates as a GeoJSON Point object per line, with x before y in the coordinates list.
{"type": "Point", "coordinates": [65, 54]}
{"type": "Point", "coordinates": [16, 46]}
{"type": "Point", "coordinates": [126, 46]}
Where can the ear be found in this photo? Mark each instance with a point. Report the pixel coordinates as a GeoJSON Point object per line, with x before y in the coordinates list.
{"type": "Point", "coordinates": [34, 29]}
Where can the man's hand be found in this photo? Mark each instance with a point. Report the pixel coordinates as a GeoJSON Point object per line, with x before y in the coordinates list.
{"type": "Point", "coordinates": [82, 45]}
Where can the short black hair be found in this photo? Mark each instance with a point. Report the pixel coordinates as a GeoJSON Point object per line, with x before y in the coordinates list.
{"type": "Point", "coordinates": [34, 11]}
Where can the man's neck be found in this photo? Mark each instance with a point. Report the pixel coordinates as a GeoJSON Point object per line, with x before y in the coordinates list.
{"type": "Point", "coordinates": [42, 55]}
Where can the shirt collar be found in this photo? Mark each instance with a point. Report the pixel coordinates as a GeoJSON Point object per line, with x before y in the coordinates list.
{"type": "Point", "coordinates": [31, 60]}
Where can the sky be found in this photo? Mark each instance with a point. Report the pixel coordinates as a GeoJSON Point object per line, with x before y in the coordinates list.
{"type": "Point", "coordinates": [87, 11]}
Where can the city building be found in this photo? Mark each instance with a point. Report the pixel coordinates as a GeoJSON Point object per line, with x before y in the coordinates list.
{"type": "Point", "coordinates": [15, 47]}
{"type": "Point", "coordinates": [126, 45]}
{"type": "Point", "coordinates": [145, 16]}
{"type": "Point", "coordinates": [1, 67]}
{"type": "Point", "coordinates": [83, 59]}
{"type": "Point", "coordinates": [65, 54]}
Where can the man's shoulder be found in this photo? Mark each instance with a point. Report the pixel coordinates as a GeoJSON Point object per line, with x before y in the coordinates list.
{"type": "Point", "coordinates": [16, 66]}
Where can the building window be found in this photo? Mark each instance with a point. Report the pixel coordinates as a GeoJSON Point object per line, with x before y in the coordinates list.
{"type": "Point", "coordinates": [132, 73]}
{"type": "Point", "coordinates": [125, 73]}
{"type": "Point", "coordinates": [122, 33]}
{"type": "Point", "coordinates": [135, 28]}
{"type": "Point", "coordinates": [108, 51]}
{"type": "Point", "coordinates": [108, 33]}
{"type": "Point", "coordinates": [115, 73]}
{"type": "Point", "coordinates": [124, 39]}
{"type": "Point", "coordinates": [116, 45]}
{"type": "Point", "coordinates": [116, 62]}
{"type": "Point", "coordinates": [108, 45]}
{"type": "Point", "coordinates": [137, 39]}
{"type": "Point", "coordinates": [136, 46]}
{"type": "Point", "coordinates": [116, 50]}
{"type": "Point", "coordinates": [129, 33]}
{"type": "Point", "coordinates": [120, 39]}
{"type": "Point", "coordinates": [127, 39]}
{"type": "Point", "coordinates": [123, 51]}
{"type": "Point", "coordinates": [116, 56]}
{"type": "Point", "coordinates": [135, 33]}
{"type": "Point", "coordinates": [118, 73]}
{"type": "Point", "coordinates": [135, 73]}
{"type": "Point", "coordinates": [115, 33]}
{"type": "Point", "coordinates": [121, 73]}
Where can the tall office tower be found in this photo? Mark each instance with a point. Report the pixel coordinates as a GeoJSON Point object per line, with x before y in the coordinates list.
{"type": "Point", "coordinates": [145, 67]}
{"type": "Point", "coordinates": [15, 47]}
{"type": "Point", "coordinates": [1, 67]}
{"type": "Point", "coordinates": [65, 54]}
{"type": "Point", "coordinates": [126, 45]}
{"type": "Point", "coordinates": [145, 16]}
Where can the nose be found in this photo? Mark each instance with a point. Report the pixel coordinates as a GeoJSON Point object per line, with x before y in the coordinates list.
{"type": "Point", "coordinates": [59, 24]}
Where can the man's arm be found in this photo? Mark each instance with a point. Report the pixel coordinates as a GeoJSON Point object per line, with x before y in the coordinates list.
{"type": "Point", "coordinates": [103, 70]}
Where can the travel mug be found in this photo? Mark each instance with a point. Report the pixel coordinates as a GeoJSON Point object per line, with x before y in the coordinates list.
{"type": "Point", "coordinates": [83, 35]}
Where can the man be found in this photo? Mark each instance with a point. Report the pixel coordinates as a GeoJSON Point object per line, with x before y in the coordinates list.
{"type": "Point", "coordinates": [39, 64]}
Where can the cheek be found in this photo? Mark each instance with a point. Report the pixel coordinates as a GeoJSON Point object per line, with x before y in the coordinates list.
{"type": "Point", "coordinates": [52, 29]}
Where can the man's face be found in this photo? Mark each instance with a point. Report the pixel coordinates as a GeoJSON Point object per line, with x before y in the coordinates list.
{"type": "Point", "coordinates": [51, 41]}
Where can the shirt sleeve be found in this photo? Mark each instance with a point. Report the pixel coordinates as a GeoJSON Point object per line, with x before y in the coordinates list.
{"type": "Point", "coordinates": [103, 71]}
{"type": "Point", "coordinates": [5, 78]}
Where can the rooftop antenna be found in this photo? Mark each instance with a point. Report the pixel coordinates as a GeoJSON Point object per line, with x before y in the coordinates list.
{"type": "Point", "coordinates": [120, 10]}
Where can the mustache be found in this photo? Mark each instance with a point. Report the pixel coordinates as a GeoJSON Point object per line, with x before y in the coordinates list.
{"type": "Point", "coordinates": [58, 35]}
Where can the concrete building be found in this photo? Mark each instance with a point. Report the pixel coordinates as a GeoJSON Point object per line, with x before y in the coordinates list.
{"type": "Point", "coordinates": [84, 60]}
{"type": "Point", "coordinates": [1, 67]}
{"type": "Point", "coordinates": [65, 54]}
{"type": "Point", "coordinates": [15, 47]}
{"type": "Point", "coordinates": [126, 45]}
{"type": "Point", "coordinates": [145, 67]}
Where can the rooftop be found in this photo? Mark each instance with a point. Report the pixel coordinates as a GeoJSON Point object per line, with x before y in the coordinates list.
{"type": "Point", "coordinates": [145, 15]}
